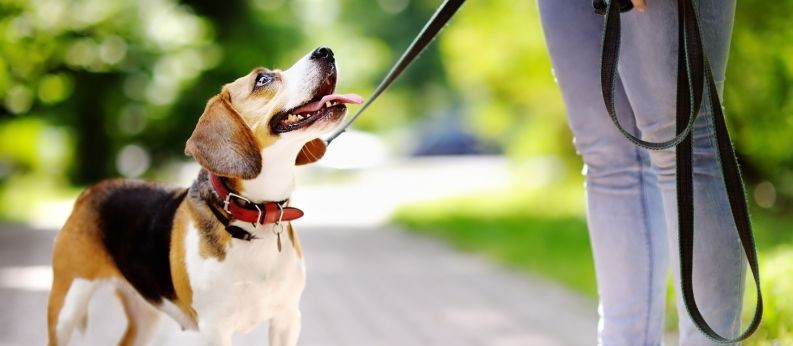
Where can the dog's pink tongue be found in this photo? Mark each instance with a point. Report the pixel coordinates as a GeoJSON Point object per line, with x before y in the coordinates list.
{"type": "Point", "coordinates": [339, 98]}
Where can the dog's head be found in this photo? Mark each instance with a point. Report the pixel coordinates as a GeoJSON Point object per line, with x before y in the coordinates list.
{"type": "Point", "coordinates": [265, 108]}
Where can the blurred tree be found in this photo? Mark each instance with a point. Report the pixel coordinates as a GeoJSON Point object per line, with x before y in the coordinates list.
{"type": "Point", "coordinates": [105, 70]}
{"type": "Point", "coordinates": [377, 32]}
{"type": "Point", "coordinates": [109, 87]}
{"type": "Point", "coordinates": [495, 57]}
{"type": "Point", "coordinates": [759, 98]}
{"type": "Point", "coordinates": [126, 80]}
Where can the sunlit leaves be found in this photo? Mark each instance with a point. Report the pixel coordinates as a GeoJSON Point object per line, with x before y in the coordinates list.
{"type": "Point", "coordinates": [67, 61]}
{"type": "Point", "coordinates": [759, 94]}
{"type": "Point", "coordinates": [495, 56]}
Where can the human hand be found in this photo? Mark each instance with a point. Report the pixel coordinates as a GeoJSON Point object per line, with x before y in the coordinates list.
{"type": "Point", "coordinates": [639, 5]}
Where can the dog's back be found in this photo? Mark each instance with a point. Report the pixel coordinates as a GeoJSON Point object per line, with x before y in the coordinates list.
{"type": "Point", "coordinates": [118, 229]}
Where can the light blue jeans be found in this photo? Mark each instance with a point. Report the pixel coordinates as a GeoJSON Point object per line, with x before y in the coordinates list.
{"type": "Point", "coordinates": [631, 201]}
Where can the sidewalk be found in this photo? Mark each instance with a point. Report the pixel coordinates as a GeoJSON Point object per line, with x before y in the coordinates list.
{"type": "Point", "coordinates": [366, 286]}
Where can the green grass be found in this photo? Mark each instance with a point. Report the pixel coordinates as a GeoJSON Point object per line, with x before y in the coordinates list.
{"type": "Point", "coordinates": [543, 231]}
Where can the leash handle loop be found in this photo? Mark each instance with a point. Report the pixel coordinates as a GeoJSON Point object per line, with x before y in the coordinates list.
{"type": "Point", "coordinates": [694, 75]}
{"type": "Point", "coordinates": [608, 75]}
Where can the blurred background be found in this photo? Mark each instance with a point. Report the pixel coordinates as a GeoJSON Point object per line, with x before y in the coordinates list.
{"type": "Point", "coordinates": [93, 89]}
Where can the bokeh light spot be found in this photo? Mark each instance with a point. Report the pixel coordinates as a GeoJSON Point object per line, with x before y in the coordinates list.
{"type": "Point", "coordinates": [55, 88]}
{"type": "Point", "coordinates": [113, 50]}
{"type": "Point", "coordinates": [132, 161]}
{"type": "Point", "coordinates": [393, 6]}
{"type": "Point", "coordinates": [19, 99]}
{"type": "Point", "coordinates": [765, 194]}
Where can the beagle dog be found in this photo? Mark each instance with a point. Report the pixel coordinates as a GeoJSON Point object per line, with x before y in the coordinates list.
{"type": "Point", "coordinates": [220, 256]}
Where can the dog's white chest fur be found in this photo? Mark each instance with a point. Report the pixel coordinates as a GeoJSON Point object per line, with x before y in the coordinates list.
{"type": "Point", "coordinates": [251, 285]}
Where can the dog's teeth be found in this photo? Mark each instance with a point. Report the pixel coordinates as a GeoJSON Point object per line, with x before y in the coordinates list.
{"type": "Point", "coordinates": [293, 118]}
{"type": "Point", "coordinates": [328, 104]}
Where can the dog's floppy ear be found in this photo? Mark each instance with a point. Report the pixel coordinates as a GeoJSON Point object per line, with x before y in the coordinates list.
{"type": "Point", "coordinates": [222, 142]}
{"type": "Point", "coordinates": [311, 152]}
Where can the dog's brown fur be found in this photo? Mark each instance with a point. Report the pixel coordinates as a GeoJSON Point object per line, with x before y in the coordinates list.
{"type": "Point", "coordinates": [227, 142]}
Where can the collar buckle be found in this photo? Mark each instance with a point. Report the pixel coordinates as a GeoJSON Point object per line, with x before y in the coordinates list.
{"type": "Point", "coordinates": [227, 202]}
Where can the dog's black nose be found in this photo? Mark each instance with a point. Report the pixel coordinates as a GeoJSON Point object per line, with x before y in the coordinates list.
{"type": "Point", "coordinates": [322, 53]}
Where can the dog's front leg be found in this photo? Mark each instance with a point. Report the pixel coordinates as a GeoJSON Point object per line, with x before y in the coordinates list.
{"type": "Point", "coordinates": [285, 328]}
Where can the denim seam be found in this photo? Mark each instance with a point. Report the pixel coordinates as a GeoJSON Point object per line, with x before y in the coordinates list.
{"type": "Point", "coordinates": [648, 244]}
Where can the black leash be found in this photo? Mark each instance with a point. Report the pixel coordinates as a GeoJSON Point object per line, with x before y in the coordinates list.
{"type": "Point", "coordinates": [427, 34]}
{"type": "Point", "coordinates": [693, 76]}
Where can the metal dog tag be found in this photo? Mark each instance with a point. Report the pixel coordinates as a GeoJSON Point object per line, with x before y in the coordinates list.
{"type": "Point", "coordinates": [278, 241]}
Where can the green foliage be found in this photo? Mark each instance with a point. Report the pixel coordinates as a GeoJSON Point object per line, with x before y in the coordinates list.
{"type": "Point", "coordinates": [777, 270]}
{"type": "Point", "coordinates": [121, 77]}
{"type": "Point", "coordinates": [126, 80]}
{"type": "Point", "coordinates": [34, 146]}
{"type": "Point", "coordinates": [759, 93]}
{"type": "Point", "coordinates": [502, 72]}
{"type": "Point", "coordinates": [496, 58]}
{"type": "Point", "coordinates": [101, 71]}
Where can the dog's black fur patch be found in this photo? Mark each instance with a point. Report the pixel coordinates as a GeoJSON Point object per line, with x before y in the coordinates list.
{"type": "Point", "coordinates": [136, 219]}
{"type": "Point", "coordinates": [209, 227]}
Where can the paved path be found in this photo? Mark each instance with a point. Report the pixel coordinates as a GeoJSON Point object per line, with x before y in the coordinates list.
{"type": "Point", "coordinates": [366, 286]}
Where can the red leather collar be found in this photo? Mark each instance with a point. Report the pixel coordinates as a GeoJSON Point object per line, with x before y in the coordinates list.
{"type": "Point", "coordinates": [256, 213]}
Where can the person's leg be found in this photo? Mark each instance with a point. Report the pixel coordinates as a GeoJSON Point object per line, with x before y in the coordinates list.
{"type": "Point", "coordinates": [648, 70]}
{"type": "Point", "coordinates": [627, 236]}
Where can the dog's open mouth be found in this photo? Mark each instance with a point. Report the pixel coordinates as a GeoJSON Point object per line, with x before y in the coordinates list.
{"type": "Point", "coordinates": [324, 104]}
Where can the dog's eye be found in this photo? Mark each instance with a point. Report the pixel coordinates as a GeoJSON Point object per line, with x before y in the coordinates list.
{"type": "Point", "coordinates": [262, 80]}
